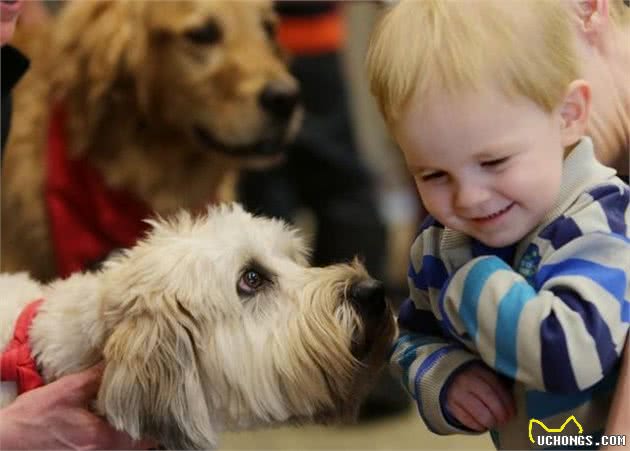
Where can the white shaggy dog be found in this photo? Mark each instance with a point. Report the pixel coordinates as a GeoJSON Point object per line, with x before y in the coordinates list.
{"type": "Point", "coordinates": [208, 324]}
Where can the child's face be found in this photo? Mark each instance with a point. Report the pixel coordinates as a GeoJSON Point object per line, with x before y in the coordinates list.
{"type": "Point", "coordinates": [484, 164]}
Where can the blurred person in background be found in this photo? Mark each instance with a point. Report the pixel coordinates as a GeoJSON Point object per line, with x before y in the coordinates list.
{"type": "Point", "coordinates": [603, 28]}
{"type": "Point", "coordinates": [324, 171]}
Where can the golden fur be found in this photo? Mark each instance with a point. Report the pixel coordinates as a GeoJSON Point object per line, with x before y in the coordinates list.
{"type": "Point", "coordinates": [152, 102]}
{"type": "Point", "coordinates": [188, 353]}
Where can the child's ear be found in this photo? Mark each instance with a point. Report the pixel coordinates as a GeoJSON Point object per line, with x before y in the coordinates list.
{"type": "Point", "coordinates": [574, 112]}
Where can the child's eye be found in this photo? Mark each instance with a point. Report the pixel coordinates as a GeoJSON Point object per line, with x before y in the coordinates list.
{"type": "Point", "coordinates": [493, 163]}
{"type": "Point", "coordinates": [432, 176]}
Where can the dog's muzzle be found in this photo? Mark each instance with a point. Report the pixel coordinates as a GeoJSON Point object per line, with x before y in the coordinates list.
{"type": "Point", "coordinates": [368, 297]}
{"type": "Point", "coordinates": [279, 99]}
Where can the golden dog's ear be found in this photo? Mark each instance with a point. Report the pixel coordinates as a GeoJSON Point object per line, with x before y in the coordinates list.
{"type": "Point", "coordinates": [152, 384]}
{"type": "Point", "coordinates": [98, 52]}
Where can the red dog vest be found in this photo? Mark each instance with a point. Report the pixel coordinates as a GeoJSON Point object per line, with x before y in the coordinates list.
{"type": "Point", "coordinates": [86, 218]}
{"type": "Point", "coordinates": [16, 362]}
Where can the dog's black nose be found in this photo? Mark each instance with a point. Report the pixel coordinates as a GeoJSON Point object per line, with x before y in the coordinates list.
{"type": "Point", "coordinates": [279, 98]}
{"type": "Point", "coordinates": [368, 296]}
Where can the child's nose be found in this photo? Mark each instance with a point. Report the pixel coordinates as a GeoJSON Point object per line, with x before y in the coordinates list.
{"type": "Point", "coordinates": [471, 195]}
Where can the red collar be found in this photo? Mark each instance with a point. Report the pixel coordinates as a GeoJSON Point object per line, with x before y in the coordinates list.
{"type": "Point", "coordinates": [17, 362]}
{"type": "Point", "coordinates": [87, 219]}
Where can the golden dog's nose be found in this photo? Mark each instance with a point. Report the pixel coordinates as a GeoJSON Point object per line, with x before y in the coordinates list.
{"type": "Point", "coordinates": [368, 296]}
{"type": "Point", "coordinates": [279, 98]}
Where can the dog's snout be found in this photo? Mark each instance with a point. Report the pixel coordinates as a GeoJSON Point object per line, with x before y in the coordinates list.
{"type": "Point", "coordinates": [279, 99]}
{"type": "Point", "coordinates": [368, 296]}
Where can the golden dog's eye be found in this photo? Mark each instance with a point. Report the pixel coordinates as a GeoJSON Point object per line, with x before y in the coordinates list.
{"type": "Point", "coordinates": [210, 33]}
{"type": "Point", "coordinates": [251, 281]}
{"type": "Point", "coordinates": [270, 29]}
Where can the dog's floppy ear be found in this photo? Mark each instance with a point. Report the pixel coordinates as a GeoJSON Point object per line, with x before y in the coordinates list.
{"type": "Point", "coordinates": [152, 384]}
{"type": "Point", "coordinates": [99, 50]}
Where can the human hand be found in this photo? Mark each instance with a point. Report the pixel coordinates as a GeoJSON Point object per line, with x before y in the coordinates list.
{"type": "Point", "coordinates": [478, 399]}
{"type": "Point", "coordinates": [57, 416]}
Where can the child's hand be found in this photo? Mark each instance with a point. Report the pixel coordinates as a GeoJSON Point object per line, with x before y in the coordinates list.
{"type": "Point", "coordinates": [478, 399]}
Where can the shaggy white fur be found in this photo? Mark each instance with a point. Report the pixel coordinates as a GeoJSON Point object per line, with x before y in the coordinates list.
{"type": "Point", "coordinates": [210, 323]}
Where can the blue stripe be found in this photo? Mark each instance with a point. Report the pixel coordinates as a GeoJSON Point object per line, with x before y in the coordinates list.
{"type": "Point", "coordinates": [475, 281]}
{"type": "Point", "coordinates": [594, 323]}
{"type": "Point", "coordinates": [417, 277]}
{"type": "Point", "coordinates": [614, 202]}
{"type": "Point", "coordinates": [557, 370]}
{"type": "Point", "coordinates": [432, 273]}
{"type": "Point", "coordinates": [613, 280]}
{"type": "Point", "coordinates": [428, 363]}
{"type": "Point", "coordinates": [507, 330]}
{"type": "Point", "coordinates": [435, 271]}
{"type": "Point", "coordinates": [561, 231]}
{"type": "Point", "coordinates": [542, 405]}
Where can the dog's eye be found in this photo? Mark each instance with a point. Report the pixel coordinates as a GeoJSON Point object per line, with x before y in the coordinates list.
{"type": "Point", "coordinates": [270, 29]}
{"type": "Point", "coordinates": [210, 33]}
{"type": "Point", "coordinates": [251, 281]}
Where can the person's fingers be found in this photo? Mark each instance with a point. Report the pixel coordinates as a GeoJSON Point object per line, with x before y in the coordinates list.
{"type": "Point", "coordinates": [500, 390]}
{"type": "Point", "coordinates": [464, 417]}
{"type": "Point", "coordinates": [487, 393]}
{"type": "Point", "coordinates": [470, 402]}
{"type": "Point", "coordinates": [83, 386]}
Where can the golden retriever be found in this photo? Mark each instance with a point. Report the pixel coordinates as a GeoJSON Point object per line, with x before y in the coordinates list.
{"type": "Point", "coordinates": [135, 107]}
{"type": "Point", "coordinates": [209, 324]}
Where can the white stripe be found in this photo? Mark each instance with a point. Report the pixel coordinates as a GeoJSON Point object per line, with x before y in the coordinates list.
{"type": "Point", "coordinates": [592, 219]}
{"type": "Point", "coordinates": [599, 248]}
{"type": "Point", "coordinates": [419, 297]}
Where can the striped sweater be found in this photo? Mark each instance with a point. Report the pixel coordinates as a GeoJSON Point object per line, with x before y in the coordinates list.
{"type": "Point", "coordinates": [549, 313]}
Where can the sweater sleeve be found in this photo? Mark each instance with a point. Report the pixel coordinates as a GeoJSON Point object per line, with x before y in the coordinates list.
{"type": "Point", "coordinates": [422, 357]}
{"type": "Point", "coordinates": [563, 331]}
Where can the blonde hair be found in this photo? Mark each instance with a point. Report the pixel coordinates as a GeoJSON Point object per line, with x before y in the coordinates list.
{"type": "Point", "coordinates": [457, 46]}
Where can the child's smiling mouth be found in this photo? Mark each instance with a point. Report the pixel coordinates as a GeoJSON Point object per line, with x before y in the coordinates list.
{"type": "Point", "coordinates": [493, 216]}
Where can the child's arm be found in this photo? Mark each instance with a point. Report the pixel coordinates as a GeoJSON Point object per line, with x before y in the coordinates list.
{"type": "Point", "coordinates": [422, 357]}
{"type": "Point", "coordinates": [566, 332]}
{"type": "Point", "coordinates": [424, 361]}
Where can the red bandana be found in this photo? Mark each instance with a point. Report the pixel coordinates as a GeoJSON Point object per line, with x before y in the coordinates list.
{"type": "Point", "coordinates": [87, 219]}
{"type": "Point", "coordinates": [16, 362]}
